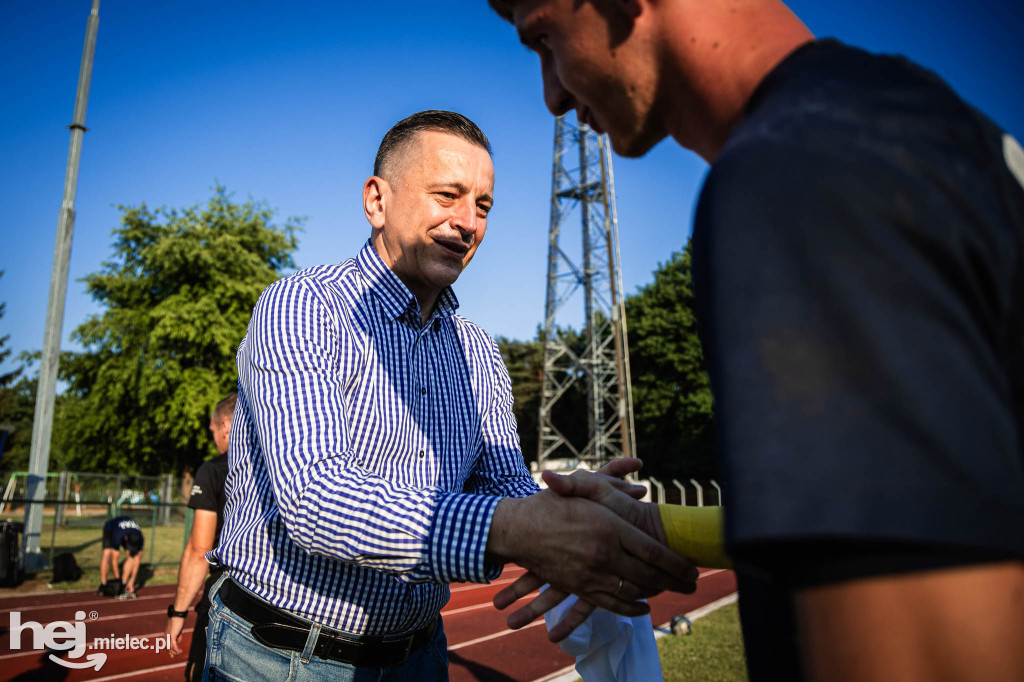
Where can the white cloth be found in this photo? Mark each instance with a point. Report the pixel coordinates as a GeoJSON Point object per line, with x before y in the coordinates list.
{"type": "Point", "coordinates": [609, 647]}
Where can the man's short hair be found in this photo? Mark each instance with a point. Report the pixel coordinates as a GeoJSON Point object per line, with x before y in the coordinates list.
{"type": "Point", "coordinates": [225, 408]}
{"type": "Point", "coordinates": [437, 120]}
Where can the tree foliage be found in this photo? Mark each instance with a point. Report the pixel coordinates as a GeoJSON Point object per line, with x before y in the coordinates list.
{"type": "Point", "coordinates": [6, 378]}
{"type": "Point", "coordinates": [525, 362]}
{"type": "Point", "coordinates": [177, 296]}
{"type": "Point", "coordinates": [671, 392]}
{"type": "Point", "coordinates": [8, 395]}
{"type": "Point", "coordinates": [18, 410]}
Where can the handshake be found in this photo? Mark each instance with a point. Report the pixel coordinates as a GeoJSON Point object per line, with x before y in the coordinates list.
{"type": "Point", "coordinates": [587, 534]}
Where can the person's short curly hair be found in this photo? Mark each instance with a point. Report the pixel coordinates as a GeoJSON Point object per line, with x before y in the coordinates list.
{"type": "Point", "coordinates": [405, 130]}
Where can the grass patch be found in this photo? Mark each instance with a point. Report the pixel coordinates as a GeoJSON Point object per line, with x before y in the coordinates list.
{"type": "Point", "coordinates": [713, 653]}
{"type": "Point", "coordinates": [82, 536]}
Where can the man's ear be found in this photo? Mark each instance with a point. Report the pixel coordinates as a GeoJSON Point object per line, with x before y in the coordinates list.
{"type": "Point", "coordinates": [375, 194]}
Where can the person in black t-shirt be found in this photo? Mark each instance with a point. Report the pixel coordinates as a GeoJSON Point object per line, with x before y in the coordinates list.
{"type": "Point", "coordinates": [207, 500]}
{"type": "Point", "coordinates": [857, 266]}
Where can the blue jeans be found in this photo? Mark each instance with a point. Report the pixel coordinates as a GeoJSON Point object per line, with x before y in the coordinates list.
{"type": "Point", "coordinates": [232, 653]}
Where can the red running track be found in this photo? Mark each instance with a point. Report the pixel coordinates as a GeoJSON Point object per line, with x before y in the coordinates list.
{"type": "Point", "coordinates": [480, 647]}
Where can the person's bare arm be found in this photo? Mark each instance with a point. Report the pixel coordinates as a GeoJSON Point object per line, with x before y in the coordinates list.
{"type": "Point", "coordinates": [191, 571]}
{"type": "Point", "coordinates": [953, 624]}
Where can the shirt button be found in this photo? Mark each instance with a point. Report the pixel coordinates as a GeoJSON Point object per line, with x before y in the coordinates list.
{"type": "Point", "coordinates": [421, 453]}
{"type": "Point", "coordinates": [423, 391]}
{"type": "Point", "coordinates": [437, 325]}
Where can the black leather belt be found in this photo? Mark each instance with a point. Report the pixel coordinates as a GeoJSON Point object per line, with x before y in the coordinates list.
{"type": "Point", "coordinates": [279, 629]}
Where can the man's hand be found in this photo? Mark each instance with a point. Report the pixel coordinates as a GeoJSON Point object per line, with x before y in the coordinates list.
{"type": "Point", "coordinates": [173, 631]}
{"type": "Point", "coordinates": [615, 495]}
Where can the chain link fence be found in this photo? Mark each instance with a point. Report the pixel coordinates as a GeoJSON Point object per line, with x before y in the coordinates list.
{"type": "Point", "coordinates": [77, 504]}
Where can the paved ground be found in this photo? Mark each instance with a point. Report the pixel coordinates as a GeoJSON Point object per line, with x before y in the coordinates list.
{"type": "Point", "coordinates": [480, 647]}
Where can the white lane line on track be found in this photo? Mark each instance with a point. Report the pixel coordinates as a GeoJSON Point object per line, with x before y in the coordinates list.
{"type": "Point", "coordinates": [147, 671]}
{"type": "Point", "coordinates": [464, 609]}
{"type": "Point", "coordinates": [494, 636]}
{"type": "Point", "coordinates": [77, 605]}
{"type": "Point", "coordinates": [30, 652]}
{"type": "Point", "coordinates": [170, 587]}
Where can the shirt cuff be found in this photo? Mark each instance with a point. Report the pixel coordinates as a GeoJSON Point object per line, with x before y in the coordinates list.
{"type": "Point", "coordinates": [458, 539]}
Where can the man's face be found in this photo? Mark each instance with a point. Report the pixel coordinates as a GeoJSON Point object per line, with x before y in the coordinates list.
{"type": "Point", "coordinates": [593, 60]}
{"type": "Point", "coordinates": [434, 210]}
{"type": "Point", "coordinates": [221, 429]}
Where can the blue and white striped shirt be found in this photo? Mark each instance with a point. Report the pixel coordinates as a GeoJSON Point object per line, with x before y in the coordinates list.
{"type": "Point", "coordinates": [367, 453]}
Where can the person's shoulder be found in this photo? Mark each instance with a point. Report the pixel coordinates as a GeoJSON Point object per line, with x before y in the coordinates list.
{"type": "Point", "coordinates": [322, 285]}
{"type": "Point", "coordinates": [318, 276]}
{"type": "Point", "coordinates": [759, 178]}
{"type": "Point", "coordinates": [212, 466]}
{"type": "Point", "coordinates": [472, 332]}
{"type": "Point", "coordinates": [830, 100]}
{"type": "Point", "coordinates": [219, 466]}
{"type": "Point", "coordinates": [209, 483]}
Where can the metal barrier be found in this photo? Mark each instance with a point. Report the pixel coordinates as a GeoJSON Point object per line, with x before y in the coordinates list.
{"type": "Point", "coordinates": [701, 496]}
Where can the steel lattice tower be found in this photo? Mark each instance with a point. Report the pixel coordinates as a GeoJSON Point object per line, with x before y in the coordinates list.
{"type": "Point", "coordinates": [582, 182]}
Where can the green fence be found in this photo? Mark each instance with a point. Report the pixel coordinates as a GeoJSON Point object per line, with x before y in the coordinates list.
{"type": "Point", "coordinates": [112, 488]}
{"type": "Point", "coordinates": [76, 526]}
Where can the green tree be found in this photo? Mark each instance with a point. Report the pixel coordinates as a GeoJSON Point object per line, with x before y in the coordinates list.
{"type": "Point", "coordinates": [6, 378]}
{"type": "Point", "coordinates": [19, 412]}
{"type": "Point", "coordinates": [8, 394]}
{"type": "Point", "coordinates": [672, 403]}
{"type": "Point", "coordinates": [524, 360]}
{"type": "Point", "coordinates": [177, 295]}
{"type": "Point", "coordinates": [525, 363]}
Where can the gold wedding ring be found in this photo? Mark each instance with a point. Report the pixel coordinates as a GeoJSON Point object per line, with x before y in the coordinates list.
{"type": "Point", "coordinates": [616, 592]}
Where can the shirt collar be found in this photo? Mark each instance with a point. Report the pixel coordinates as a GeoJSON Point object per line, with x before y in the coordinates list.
{"type": "Point", "coordinates": [396, 298]}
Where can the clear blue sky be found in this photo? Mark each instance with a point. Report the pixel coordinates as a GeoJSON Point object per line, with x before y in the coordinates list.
{"type": "Point", "coordinates": [286, 103]}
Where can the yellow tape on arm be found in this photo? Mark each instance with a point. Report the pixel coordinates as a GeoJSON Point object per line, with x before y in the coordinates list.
{"type": "Point", "coordinates": [695, 533]}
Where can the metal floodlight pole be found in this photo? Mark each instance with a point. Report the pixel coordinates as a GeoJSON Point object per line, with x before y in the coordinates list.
{"type": "Point", "coordinates": [597, 370]}
{"type": "Point", "coordinates": [42, 426]}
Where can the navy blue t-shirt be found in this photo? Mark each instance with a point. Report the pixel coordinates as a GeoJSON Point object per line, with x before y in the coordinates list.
{"type": "Point", "coordinates": [860, 290]}
{"type": "Point", "coordinates": [121, 527]}
{"type": "Point", "coordinates": [858, 266]}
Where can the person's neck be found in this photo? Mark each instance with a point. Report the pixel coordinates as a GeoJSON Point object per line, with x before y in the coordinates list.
{"type": "Point", "coordinates": [426, 308]}
{"type": "Point", "coordinates": [426, 295]}
{"type": "Point", "coordinates": [714, 66]}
